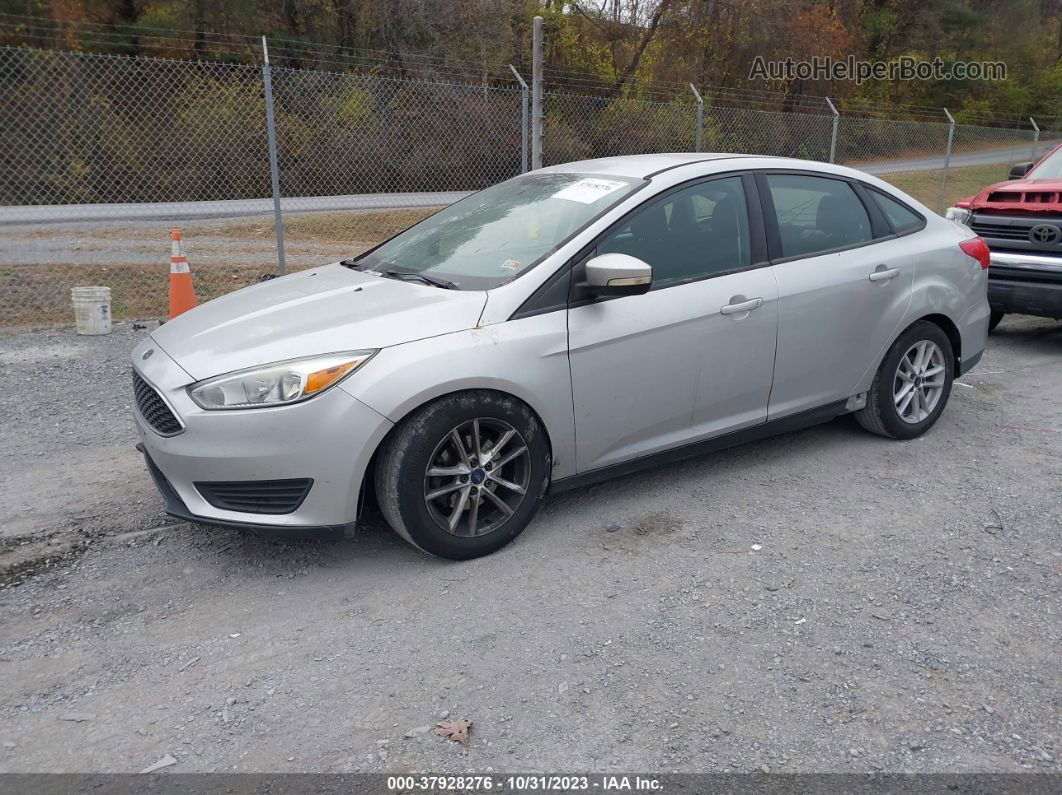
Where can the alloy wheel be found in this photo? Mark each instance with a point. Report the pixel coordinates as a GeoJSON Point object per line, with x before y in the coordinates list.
{"type": "Point", "coordinates": [477, 477]}
{"type": "Point", "coordinates": [919, 381]}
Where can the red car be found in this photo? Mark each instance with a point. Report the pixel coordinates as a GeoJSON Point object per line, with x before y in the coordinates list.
{"type": "Point", "coordinates": [1021, 220]}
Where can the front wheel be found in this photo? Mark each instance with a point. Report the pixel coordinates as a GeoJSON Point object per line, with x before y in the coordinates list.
{"type": "Point", "coordinates": [912, 384]}
{"type": "Point", "coordinates": [463, 476]}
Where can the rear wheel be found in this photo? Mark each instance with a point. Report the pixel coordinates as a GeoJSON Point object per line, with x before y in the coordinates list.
{"type": "Point", "coordinates": [912, 384]}
{"type": "Point", "coordinates": [464, 475]}
{"type": "Point", "coordinates": [994, 318]}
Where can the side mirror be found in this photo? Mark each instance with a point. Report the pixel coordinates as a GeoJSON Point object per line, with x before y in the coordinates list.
{"type": "Point", "coordinates": [618, 274]}
{"type": "Point", "coordinates": [1019, 170]}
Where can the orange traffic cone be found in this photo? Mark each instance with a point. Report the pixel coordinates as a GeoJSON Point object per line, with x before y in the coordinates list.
{"type": "Point", "coordinates": [182, 294]}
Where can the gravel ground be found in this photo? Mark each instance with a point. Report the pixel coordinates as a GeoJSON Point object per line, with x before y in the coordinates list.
{"type": "Point", "coordinates": [821, 601]}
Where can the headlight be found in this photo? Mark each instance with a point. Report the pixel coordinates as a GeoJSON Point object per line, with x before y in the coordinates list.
{"type": "Point", "coordinates": [958, 214]}
{"type": "Point", "coordinates": [277, 384]}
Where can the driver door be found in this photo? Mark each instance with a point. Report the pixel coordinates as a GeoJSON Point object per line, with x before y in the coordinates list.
{"type": "Point", "coordinates": [679, 363]}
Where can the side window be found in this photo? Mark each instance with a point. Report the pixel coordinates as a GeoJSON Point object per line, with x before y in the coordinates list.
{"type": "Point", "coordinates": [817, 214]}
{"type": "Point", "coordinates": [693, 233]}
{"type": "Point", "coordinates": [902, 219]}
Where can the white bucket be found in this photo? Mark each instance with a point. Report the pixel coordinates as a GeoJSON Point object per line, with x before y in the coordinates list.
{"type": "Point", "coordinates": [92, 309]}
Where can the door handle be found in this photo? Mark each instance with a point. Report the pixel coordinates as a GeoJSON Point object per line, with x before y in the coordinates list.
{"type": "Point", "coordinates": [744, 306]}
{"type": "Point", "coordinates": [883, 274]}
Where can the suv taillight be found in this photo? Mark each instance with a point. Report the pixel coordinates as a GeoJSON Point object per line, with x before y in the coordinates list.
{"type": "Point", "coordinates": [978, 249]}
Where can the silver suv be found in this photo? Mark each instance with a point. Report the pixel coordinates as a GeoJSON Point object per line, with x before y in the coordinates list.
{"type": "Point", "coordinates": [571, 324]}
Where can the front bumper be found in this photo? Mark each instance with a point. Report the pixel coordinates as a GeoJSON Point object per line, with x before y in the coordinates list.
{"type": "Point", "coordinates": [1029, 284]}
{"type": "Point", "coordinates": [329, 439]}
{"type": "Point", "coordinates": [175, 507]}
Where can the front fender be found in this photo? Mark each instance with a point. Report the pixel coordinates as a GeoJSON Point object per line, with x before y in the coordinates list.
{"type": "Point", "coordinates": [526, 358]}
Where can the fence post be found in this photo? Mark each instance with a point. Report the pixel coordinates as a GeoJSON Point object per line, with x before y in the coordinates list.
{"type": "Point", "coordinates": [274, 172]}
{"type": "Point", "coordinates": [1036, 139]}
{"type": "Point", "coordinates": [523, 119]}
{"type": "Point", "coordinates": [700, 119]}
{"type": "Point", "coordinates": [833, 133]}
{"type": "Point", "coordinates": [947, 160]}
{"type": "Point", "coordinates": [536, 93]}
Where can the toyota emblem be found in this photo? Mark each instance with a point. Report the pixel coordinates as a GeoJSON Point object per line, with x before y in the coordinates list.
{"type": "Point", "coordinates": [1045, 234]}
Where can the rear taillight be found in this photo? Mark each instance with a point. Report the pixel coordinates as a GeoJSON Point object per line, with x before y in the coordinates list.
{"type": "Point", "coordinates": [978, 249]}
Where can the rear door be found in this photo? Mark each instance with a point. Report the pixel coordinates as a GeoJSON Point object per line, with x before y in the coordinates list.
{"type": "Point", "coordinates": [843, 289]}
{"type": "Point", "coordinates": [694, 356]}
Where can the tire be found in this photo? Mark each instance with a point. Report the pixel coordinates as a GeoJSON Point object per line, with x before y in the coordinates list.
{"type": "Point", "coordinates": [994, 318]}
{"type": "Point", "coordinates": [427, 441]}
{"type": "Point", "coordinates": [882, 414]}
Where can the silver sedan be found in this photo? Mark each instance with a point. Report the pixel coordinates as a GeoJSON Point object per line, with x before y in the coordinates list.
{"type": "Point", "coordinates": [571, 324]}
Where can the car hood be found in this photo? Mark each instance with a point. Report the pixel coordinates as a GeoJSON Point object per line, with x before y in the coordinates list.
{"type": "Point", "coordinates": [323, 310]}
{"type": "Point", "coordinates": [1020, 195]}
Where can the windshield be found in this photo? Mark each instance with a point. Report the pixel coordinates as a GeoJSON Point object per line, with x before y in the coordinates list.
{"type": "Point", "coordinates": [495, 235]}
{"type": "Point", "coordinates": [1050, 168]}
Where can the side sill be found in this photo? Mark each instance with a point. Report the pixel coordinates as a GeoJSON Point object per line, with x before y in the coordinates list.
{"type": "Point", "coordinates": [969, 364]}
{"type": "Point", "coordinates": [794, 422]}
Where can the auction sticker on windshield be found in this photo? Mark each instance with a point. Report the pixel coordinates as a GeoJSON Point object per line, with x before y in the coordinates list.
{"type": "Point", "coordinates": [588, 191]}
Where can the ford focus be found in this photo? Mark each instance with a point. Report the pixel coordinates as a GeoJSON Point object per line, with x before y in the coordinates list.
{"type": "Point", "coordinates": [571, 324]}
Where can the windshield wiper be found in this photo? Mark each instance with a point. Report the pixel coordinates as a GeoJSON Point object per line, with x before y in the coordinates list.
{"type": "Point", "coordinates": [407, 276]}
{"type": "Point", "coordinates": [415, 276]}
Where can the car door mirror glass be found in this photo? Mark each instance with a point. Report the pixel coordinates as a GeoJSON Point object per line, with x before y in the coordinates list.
{"type": "Point", "coordinates": [618, 274]}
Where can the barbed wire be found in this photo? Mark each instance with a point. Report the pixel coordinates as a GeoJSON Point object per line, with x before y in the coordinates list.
{"type": "Point", "coordinates": [135, 39]}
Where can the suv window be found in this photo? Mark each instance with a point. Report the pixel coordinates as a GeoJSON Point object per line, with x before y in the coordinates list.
{"type": "Point", "coordinates": [817, 214]}
{"type": "Point", "coordinates": [694, 233]}
{"type": "Point", "coordinates": [902, 219]}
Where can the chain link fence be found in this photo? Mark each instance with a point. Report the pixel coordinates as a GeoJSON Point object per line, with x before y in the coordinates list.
{"type": "Point", "coordinates": [803, 135]}
{"type": "Point", "coordinates": [361, 158]}
{"type": "Point", "coordinates": [102, 155]}
{"type": "Point", "coordinates": [580, 127]}
{"type": "Point", "coordinates": [889, 144]}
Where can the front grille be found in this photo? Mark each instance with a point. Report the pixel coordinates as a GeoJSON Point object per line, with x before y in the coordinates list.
{"type": "Point", "coordinates": [153, 408]}
{"type": "Point", "coordinates": [987, 229]}
{"type": "Point", "coordinates": [256, 496]}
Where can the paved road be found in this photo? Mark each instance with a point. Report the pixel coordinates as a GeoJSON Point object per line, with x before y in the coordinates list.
{"type": "Point", "coordinates": [74, 213]}
{"type": "Point", "coordinates": [231, 208]}
{"type": "Point", "coordinates": [1009, 154]}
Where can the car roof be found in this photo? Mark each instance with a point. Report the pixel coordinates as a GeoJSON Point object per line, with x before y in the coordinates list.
{"type": "Point", "coordinates": [637, 166]}
{"type": "Point", "coordinates": [646, 166]}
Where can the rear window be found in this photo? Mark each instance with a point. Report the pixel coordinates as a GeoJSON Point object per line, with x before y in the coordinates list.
{"type": "Point", "coordinates": [817, 214]}
{"type": "Point", "coordinates": [902, 218]}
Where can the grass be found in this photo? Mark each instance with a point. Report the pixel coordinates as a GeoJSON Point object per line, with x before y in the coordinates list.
{"type": "Point", "coordinates": [338, 228]}
{"type": "Point", "coordinates": [962, 183]}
